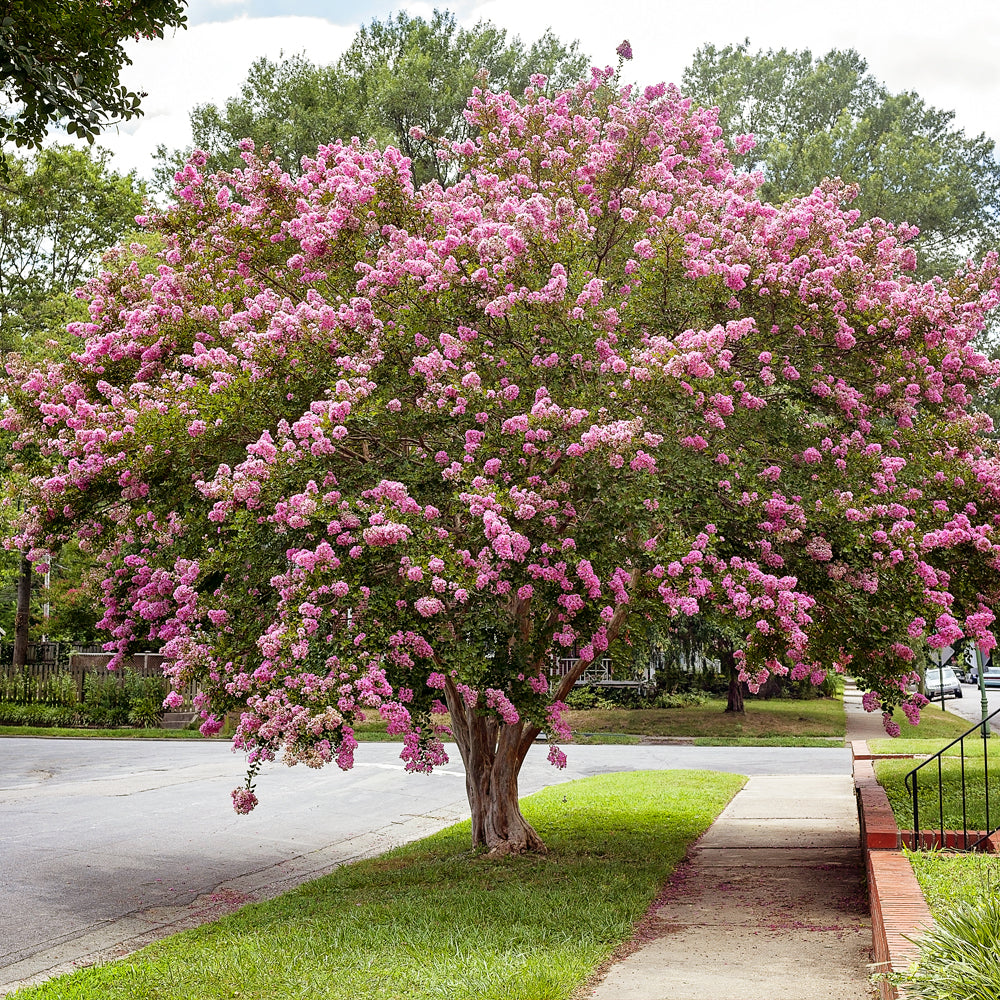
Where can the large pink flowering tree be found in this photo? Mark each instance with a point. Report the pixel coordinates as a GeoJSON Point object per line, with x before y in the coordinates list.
{"type": "Point", "coordinates": [348, 447]}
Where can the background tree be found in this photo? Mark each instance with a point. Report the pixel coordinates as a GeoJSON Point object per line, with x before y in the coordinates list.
{"type": "Point", "coordinates": [73, 609]}
{"type": "Point", "coordinates": [814, 118]}
{"type": "Point", "coordinates": [397, 75]}
{"type": "Point", "coordinates": [59, 211]}
{"type": "Point", "coordinates": [348, 445]}
{"type": "Point", "coordinates": [60, 62]}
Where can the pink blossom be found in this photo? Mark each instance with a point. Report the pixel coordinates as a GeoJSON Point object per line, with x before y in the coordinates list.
{"type": "Point", "coordinates": [428, 606]}
{"type": "Point", "coordinates": [870, 701]}
{"type": "Point", "coordinates": [244, 800]}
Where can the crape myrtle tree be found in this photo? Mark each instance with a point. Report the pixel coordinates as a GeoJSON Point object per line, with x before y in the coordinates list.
{"type": "Point", "coordinates": [346, 446]}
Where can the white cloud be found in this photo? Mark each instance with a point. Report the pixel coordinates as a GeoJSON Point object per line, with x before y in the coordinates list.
{"type": "Point", "coordinates": [207, 63]}
{"type": "Point", "coordinates": [950, 61]}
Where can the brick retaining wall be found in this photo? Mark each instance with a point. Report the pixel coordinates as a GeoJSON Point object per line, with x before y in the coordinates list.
{"type": "Point", "coordinates": [898, 907]}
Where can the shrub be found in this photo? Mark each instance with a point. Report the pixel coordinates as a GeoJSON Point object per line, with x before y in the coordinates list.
{"type": "Point", "coordinates": [105, 700]}
{"type": "Point", "coordinates": [112, 699]}
{"type": "Point", "coordinates": [13, 714]}
{"type": "Point", "coordinates": [145, 701]}
{"type": "Point", "coordinates": [585, 698]}
{"type": "Point", "coordinates": [676, 678]}
{"type": "Point", "coordinates": [958, 958]}
{"type": "Point", "coordinates": [680, 699]}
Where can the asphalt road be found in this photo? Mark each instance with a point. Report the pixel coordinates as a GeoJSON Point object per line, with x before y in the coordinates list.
{"type": "Point", "coordinates": [105, 841]}
{"type": "Point", "coordinates": [969, 706]}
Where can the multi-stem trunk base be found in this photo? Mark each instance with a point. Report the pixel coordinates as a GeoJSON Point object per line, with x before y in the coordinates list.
{"type": "Point", "coordinates": [493, 753]}
{"type": "Point", "coordinates": [499, 826]}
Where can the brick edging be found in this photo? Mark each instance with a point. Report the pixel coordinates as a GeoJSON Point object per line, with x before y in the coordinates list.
{"type": "Point", "coordinates": [898, 908]}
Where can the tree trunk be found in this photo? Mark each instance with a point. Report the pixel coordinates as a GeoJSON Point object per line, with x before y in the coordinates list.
{"type": "Point", "coordinates": [735, 700]}
{"type": "Point", "coordinates": [22, 615]}
{"type": "Point", "coordinates": [493, 754]}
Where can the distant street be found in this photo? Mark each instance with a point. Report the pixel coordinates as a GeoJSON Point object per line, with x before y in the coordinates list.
{"type": "Point", "coordinates": [969, 706]}
{"type": "Point", "coordinates": [105, 841]}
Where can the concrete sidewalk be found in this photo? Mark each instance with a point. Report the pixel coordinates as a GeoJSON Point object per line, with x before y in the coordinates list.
{"type": "Point", "coordinates": [770, 906]}
{"type": "Point", "coordinates": [861, 725]}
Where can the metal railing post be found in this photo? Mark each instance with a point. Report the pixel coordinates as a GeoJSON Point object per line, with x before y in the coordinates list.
{"type": "Point", "coordinates": [984, 703]}
{"type": "Point", "coordinates": [914, 788]}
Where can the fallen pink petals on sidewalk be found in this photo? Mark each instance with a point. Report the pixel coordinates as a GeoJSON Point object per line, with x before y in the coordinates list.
{"type": "Point", "coordinates": [770, 905]}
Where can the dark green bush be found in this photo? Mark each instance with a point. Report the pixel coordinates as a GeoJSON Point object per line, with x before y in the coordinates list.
{"type": "Point", "coordinates": [145, 700]}
{"type": "Point", "coordinates": [105, 700]}
{"type": "Point", "coordinates": [585, 697]}
{"type": "Point", "coordinates": [111, 700]}
{"type": "Point", "coordinates": [13, 714]}
{"type": "Point", "coordinates": [680, 699]}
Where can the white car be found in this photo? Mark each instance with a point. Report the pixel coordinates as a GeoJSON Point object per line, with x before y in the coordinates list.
{"type": "Point", "coordinates": [938, 679]}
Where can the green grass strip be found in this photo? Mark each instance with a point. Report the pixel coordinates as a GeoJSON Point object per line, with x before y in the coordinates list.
{"type": "Point", "coordinates": [927, 747]}
{"type": "Point", "coordinates": [891, 775]}
{"type": "Point", "coordinates": [435, 920]}
{"type": "Point", "coordinates": [54, 732]}
{"type": "Point", "coordinates": [950, 879]}
{"type": "Point", "coordinates": [835, 742]}
{"type": "Point", "coordinates": [775, 718]}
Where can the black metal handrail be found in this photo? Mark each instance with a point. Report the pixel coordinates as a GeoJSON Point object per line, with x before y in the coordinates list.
{"type": "Point", "coordinates": [983, 729]}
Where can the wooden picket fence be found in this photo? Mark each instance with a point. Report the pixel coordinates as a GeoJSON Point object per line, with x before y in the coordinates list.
{"type": "Point", "coordinates": [55, 673]}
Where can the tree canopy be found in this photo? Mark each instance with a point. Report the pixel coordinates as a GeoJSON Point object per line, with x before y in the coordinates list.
{"type": "Point", "coordinates": [59, 211]}
{"type": "Point", "coordinates": [404, 81]}
{"type": "Point", "coordinates": [60, 61]}
{"type": "Point", "coordinates": [818, 117]}
{"type": "Point", "coordinates": [348, 445]}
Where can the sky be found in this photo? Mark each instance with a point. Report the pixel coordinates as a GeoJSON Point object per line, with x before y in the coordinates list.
{"type": "Point", "coordinates": [947, 54]}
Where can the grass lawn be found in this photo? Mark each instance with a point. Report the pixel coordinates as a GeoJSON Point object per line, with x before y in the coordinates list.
{"type": "Point", "coordinates": [768, 741]}
{"type": "Point", "coordinates": [934, 724]}
{"type": "Point", "coordinates": [778, 722]}
{"type": "Point", "coordinates": [775, 718]}
{"type": "Point", "coordinates": [765, 723]}
{"type": "Point", "coordinates": [892, 773]}
{"type": "Point", "coordinates": [926, 747]}
{"type": "Point", "coordinates": [948, 879]}
{"type": "Point", "coordinates": [434, 920]}
{"type": "Point", "coordinates": [102, 734]}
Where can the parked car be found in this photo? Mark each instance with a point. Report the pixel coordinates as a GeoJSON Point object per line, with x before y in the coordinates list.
{"type": "Point", "coordinates": [991, 677]}
{"type": "Point", "coordinates": [938, 679]}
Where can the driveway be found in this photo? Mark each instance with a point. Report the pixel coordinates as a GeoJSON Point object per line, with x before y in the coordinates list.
{"type": "Point", "coordinates": [110, 843]}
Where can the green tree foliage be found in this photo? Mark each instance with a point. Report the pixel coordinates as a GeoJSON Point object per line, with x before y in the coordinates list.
{"type": "Point", "coordinates": [60, 61]}
{"type": "Point", "coordinates": [59, 210]}
{"type": "Point", "coordinates": [398, 75]}
{"type": "Point", "coordinates": [829, 117]}
{"type": "Point", "coordinates": [70, 599]}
